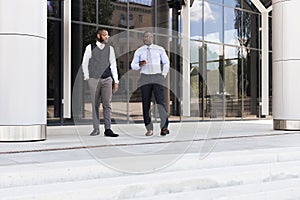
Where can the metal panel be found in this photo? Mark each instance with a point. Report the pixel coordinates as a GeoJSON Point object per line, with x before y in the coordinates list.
{"type": "Point", "coordinates": [291, 125]}
{"type": "Point", "coordinates": [22, 133]}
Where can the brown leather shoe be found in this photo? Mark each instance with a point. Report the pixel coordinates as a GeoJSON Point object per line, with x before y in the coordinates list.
{"type": "Point", "coordinates": [164, 132]}
{"type": "Point", "coordinates": [149, 133]}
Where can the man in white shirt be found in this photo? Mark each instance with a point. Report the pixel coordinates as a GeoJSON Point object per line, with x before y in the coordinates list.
{"type": "Point", "coordinates": [100, 70]}
{"type": "Point", "coordinates": [148, 59]}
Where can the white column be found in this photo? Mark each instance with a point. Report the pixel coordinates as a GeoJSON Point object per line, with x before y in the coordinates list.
{"type": "Point", "coordinates": [186, 96]}
{"type": "Point", "coordinates": [265, 56]}
{"type": "Point", "coordinates": [23, 40]}
{"type": "Point", "coordinates": [67, 59]}
{"type": "Point", "coordinates": [286, 65]}
{"type": "Point", "coordinates": [265, 65]}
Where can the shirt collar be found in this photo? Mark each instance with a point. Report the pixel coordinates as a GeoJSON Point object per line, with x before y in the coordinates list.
{"type": "Point", "coordinates": [99, 44]}
{"type": "Point", "coordinates": [150, 46]}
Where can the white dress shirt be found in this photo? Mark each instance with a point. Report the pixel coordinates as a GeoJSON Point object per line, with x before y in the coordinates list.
{"type": "Point", "coordinates": [112, 60]}
{"type": "Point", "coordinates": [158, 57]}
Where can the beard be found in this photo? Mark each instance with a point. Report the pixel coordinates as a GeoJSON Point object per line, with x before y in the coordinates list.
{"type": "Point", "coordinates": [102, 41]}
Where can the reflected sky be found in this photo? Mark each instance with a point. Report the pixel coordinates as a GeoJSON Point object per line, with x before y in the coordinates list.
{"type": "Point", "coordinates": [214, 29]}
{"type": "Point", "coordinates": [143, 2]}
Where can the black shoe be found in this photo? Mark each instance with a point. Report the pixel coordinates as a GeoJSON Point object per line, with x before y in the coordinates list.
{"type": "Point", "coordinates": [110, 133]}
{"type": "Point", "coordinates": [95, 132]}
{"type": "Point", "coordinates": [164, 132]}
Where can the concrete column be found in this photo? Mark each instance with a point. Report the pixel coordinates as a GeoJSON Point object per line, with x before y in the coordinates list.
{"type": "Point", "coordinates": [286, 65]}
{"type": "Point", "coordinates": [23, 45]}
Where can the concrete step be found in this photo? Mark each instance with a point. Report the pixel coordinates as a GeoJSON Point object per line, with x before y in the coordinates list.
{"type": "Point", "coordinates": [160, 183]}
{"type": "Point", "coordinates": [275, 190]}
{"type": "Point", "coordinates": [66, 171]}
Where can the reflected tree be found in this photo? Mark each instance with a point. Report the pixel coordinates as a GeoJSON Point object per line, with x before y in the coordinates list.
{"type": "Point", "coordinates": [246, 26]}
{"type": "Point", "coordinates": [242, 25]}
{"type": "Point", "coordinates": [105, 13]}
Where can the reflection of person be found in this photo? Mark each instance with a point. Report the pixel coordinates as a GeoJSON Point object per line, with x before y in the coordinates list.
{"type": "Point", "coordinates": [148, 60]}
{"type": "Point", "coordinates": [100, 69]}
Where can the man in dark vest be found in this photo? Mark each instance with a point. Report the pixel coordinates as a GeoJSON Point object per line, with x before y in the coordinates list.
{"type": "Point", "coordinates": [100, 70]}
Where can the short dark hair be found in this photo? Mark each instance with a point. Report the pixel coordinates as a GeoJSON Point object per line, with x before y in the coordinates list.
{"type": "Point", "coordinates": [100, 30]}
{"type": "Point", "coordinates": [148, 32]}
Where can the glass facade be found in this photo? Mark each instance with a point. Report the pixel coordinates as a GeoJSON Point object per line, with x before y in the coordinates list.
{"type": "Point", "coordinates": [225, 50]}
{"type": "Point", "coordinates": [225, 55]}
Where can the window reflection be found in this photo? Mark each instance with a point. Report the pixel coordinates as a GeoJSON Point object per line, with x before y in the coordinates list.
{"type": "Point", "coordinates": [53, 7]}
{"type": "Point", "coordinates": [231, 70]}
{"type": "Point", "coordinates": [198, 79]}
{"type": "Point", "coordinates": [88, 9]}
{"type": "Point", "coordinates": [54, 61]}
{"type": "Point", "coordinates": [213, 22]}
{"type": "Point", "coordinates": [105, 12]}
{"type": "Point", "coordinates": [214, 61]}
{"type": "Point", "coordinates": [247, 30]}
{"type": "Point", "coordinates": [196, 20]}
{"type": "Point", "coordinates": [232, 74]}
{"type": "Point", "coordinates": [249, 5]}
{"type": "Point", "coordinates": [224, 49]}
{"type": "Point", "coordinates": [233, 3]}
{"type": "Point", "coordinates": [230, 26]}
{"type": "Point", "coordinates": [125, 21]}
{"type": "Point", "coordinates": [228, 3]}
{"type": "Point", "coordinates": [140, 14]}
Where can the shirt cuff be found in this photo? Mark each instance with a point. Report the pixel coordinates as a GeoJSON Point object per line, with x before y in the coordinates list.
{"type": "Point", "coordinates": [86, 77]}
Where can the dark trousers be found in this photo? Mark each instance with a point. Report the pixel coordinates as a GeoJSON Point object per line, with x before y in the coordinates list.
{"type": "Point", "coordinates": [158, 90]}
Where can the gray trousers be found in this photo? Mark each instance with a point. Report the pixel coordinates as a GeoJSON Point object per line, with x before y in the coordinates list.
{"type": "Point", "coordinates": [101, 90]}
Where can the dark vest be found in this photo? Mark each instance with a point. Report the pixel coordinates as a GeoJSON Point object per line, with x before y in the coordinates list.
{"type": "Point", "coordinates": [99, 66]}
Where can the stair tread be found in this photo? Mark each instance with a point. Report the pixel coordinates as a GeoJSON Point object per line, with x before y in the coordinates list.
{"type": "Point", "coordinates": [150, 190]}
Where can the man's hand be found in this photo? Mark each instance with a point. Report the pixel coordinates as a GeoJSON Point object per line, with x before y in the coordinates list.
{"type": "Point", "coordinates": [143, 62]}
{"type": "Point", "coordinates": [86, 78]}
{"type": "Point", "coordinates": [115, 87]}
